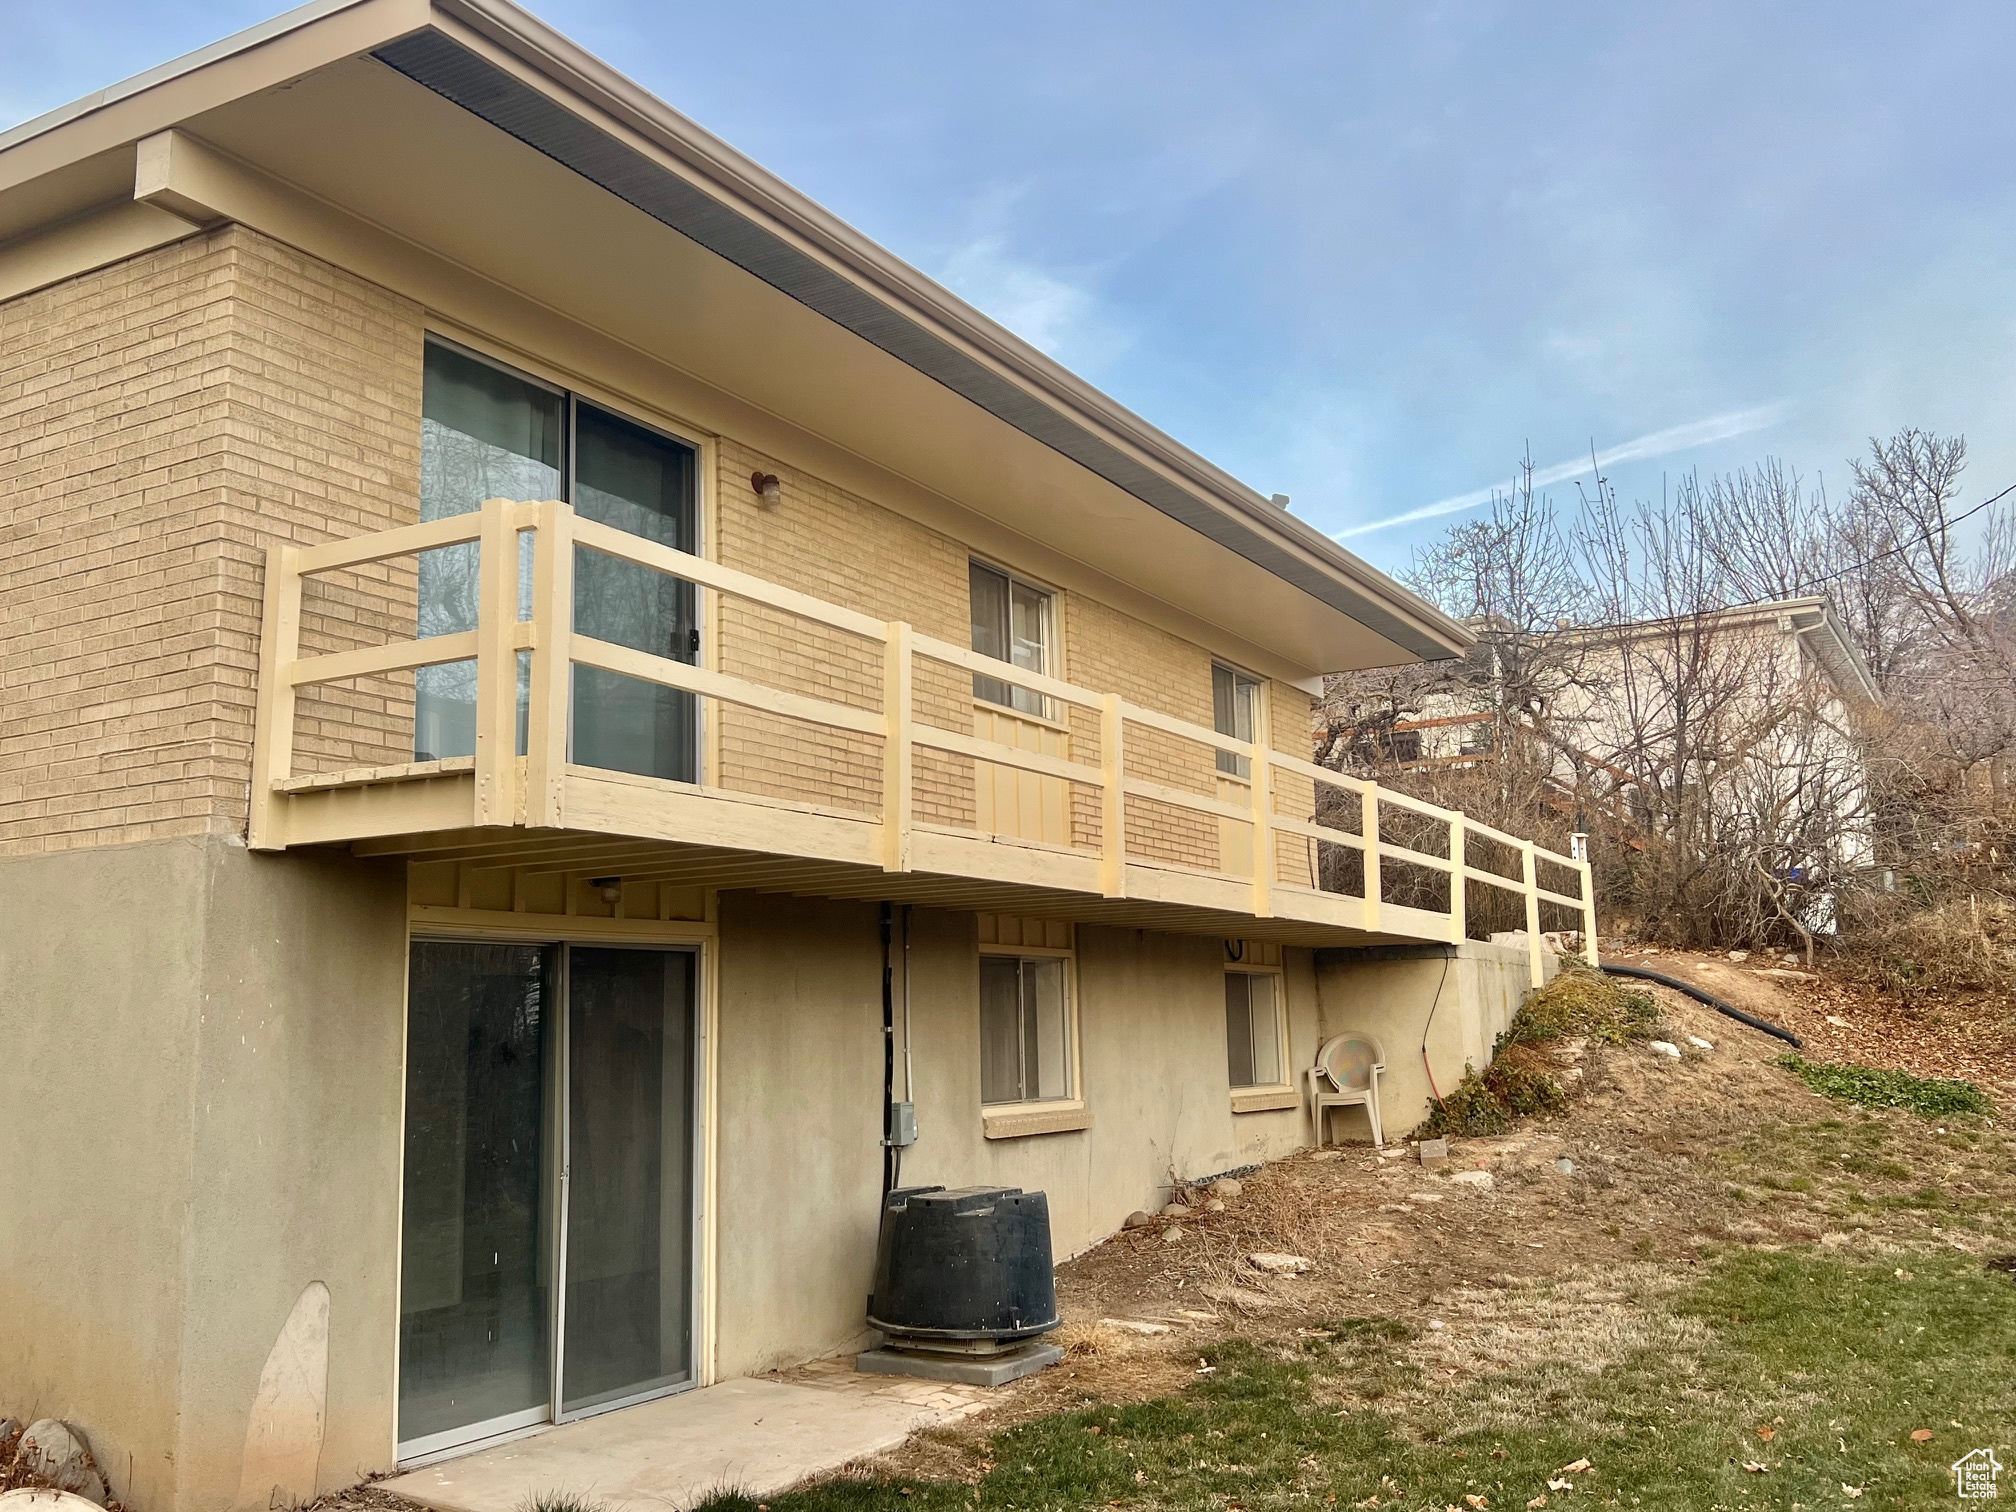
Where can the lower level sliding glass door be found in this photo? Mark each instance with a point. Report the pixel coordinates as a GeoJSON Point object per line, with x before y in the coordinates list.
{"type": "Point", "coordinates": [548, 1203]}
{"type": "Point", "coordinates": [626, 1317]}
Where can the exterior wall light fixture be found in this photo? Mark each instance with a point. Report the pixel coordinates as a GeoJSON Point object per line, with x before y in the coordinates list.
{"type": "Point", "coordinates": [769, 489]}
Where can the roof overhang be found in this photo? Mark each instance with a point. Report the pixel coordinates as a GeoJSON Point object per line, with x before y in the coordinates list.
{"type": "Point", "coordinates": [458, 149]}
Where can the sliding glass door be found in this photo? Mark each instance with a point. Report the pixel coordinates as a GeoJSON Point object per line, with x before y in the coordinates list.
{"type": "Point", "coordinates": [627, 1319]}
{"type": "Point", "coordinates": [475, 1274]}
{"type": "Point", "coordinates": [490, 433]}
{"type": "Point", "coordinates": [550, 1144]}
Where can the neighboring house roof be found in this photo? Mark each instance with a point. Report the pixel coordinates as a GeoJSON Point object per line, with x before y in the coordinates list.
{"type": "Point", "coordinates": [1811, 617]}
{"type": "Point", "coordinates": [506, 68]}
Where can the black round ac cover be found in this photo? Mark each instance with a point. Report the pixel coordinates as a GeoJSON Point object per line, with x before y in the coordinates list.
{"type": "Point", "coordinates": [972, 1263]}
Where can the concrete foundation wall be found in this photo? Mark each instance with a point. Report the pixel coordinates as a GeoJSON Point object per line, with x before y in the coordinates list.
{"type": "Point", "coordinates": [204, 1124]}
{"type": "Point", "coordinates": [1452, 1001]}
{"type": "Point", "coordinates": [201, 1176]}
{"type": "Point", "coordinates": [801, 1101]}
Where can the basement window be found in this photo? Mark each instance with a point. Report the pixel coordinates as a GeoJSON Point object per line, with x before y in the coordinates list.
{"type": "Point", "coordinates": [1026, 1030]}
{"type": "Point", "coordinates": [1253, 1029]}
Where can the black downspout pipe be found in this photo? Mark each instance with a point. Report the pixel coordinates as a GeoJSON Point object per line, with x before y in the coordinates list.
{"type": "Point", "coordinates": [1730, 1010]}
{"type": "Point", "coordinates": [888, 1056]}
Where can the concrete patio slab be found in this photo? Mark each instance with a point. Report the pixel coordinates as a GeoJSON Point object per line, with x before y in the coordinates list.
{"type": "Point", "coordinates": [756, 1435]}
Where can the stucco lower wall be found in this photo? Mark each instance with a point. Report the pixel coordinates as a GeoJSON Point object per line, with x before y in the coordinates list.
{"type": "Point", "coordinates": [1429, 1006]}
{"type": "Point", "coordinates": [202, 1121]}
{"type": "Point", "coordinates": [101, 956]}
{"type": "Point", "coordinates": [800, 1164]}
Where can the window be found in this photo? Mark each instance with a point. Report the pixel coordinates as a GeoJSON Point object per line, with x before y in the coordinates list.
{"type": "Point", "coordinates": [487, 432]}
{"type": "Point", "coordinates": [1253, 1029]}
{"type": "Point", "coordinates": [1011, 623]}
{"type": "Point", "coordinates": [1235, 700]}
{"type": "Point", "coordinates": [1025, 1029]}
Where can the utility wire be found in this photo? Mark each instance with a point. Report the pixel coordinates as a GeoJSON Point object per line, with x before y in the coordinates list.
{"type": "Point", "coordinates": [1903, 546]}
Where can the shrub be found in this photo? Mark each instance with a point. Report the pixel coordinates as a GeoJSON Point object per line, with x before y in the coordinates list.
{"type": "Point", "coordinates": [1868, 1087]}
{"type": "Point", "coordinates": [1522, 1080]}
{"type": "Point", "coordinates": [1469, 1110]}
{"type": "Point", "coordinates": [1582, 1001]}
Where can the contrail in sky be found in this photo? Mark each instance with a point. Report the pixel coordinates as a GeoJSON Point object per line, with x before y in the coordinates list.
{"type": "Point", "coordinates": [1677, 438]}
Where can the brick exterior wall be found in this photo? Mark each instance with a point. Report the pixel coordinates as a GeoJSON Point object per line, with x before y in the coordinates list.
{"type": "Point", "coordinates": [160, 421]}
{"type": "Point", "coordinates": [842, 548]}
{"type": "Point", "coordinates": [1291, 716]}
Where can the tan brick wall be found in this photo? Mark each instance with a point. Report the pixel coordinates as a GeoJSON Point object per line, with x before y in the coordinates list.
{"type": "Point", "coordinates": [848, 550]}
{"type": "Point", "coordinates": [164, 420]}
{"type": "Point", "coordinates": [160, 421]}
{"type": "Point", "coordinates": [1115, 653]}
{"type": "Point", "coordinates": [1291, 716]}
{"type": "Point", "coordinates": [839, 547]}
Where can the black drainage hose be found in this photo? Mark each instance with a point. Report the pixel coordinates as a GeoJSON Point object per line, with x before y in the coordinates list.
{"type": "Point", "coordinates": [1728, 1009]}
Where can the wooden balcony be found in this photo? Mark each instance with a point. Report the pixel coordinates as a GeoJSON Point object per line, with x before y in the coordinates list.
{"type": "Point", "coordinates": [1082, 805]}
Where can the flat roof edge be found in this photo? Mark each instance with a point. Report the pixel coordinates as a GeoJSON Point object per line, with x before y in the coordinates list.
{"type": "Point", "coordinates": [1085, 424]}
{"type": "Point", "coordinates": [161, 73]}
{"type": "Point", "coordinates": [605, 88]}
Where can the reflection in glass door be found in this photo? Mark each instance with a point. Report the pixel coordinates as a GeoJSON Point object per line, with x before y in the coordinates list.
{"type": "Point", "coordinates": [549, 1133]}
{"type": "Point", "coordinates": [642, 482]}
{"type": "Point", "coordinates": [488, 433]}
{"type": "Point", "coordinates": [627, 1318]}
{"type": "Point", "coordinates": [474, 1308]}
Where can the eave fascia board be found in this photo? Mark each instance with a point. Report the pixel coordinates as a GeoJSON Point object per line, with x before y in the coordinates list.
{"type": "Point", "coordinates": [287, 47]}
{"type": "Point", "coordinates": [325, 31]}
{"type": "Point", "coordinates": [754, 192]}
{"type": "Point", "coordinates": [174, 68]}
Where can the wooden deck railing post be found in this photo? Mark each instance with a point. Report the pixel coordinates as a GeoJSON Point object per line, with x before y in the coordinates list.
{"type": "Point", "coordinates": [496, 665]}
{"type": "Point", "coordinates": [1112, 797]}
{"type": "Point", "coordinates": [550, 714]}
{"type": "Point", "coordinates": [1368, 797]}
{"type": "Point", "coordinates": [273, 718]}
{"type": "Point", "coordinates": [1459, 904]}
{"type": "Point", "coordinates": [1589, 952]}
{"type": "Point", "coordinates": [1262, 772]}
{"type": "Point", "coordinates": [1529, 870]}
{"type": "Point", "coordinates": [898, 754]}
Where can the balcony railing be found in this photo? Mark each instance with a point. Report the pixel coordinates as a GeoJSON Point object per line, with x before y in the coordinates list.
{"type": "Point", "coordinates": [1137, 806]}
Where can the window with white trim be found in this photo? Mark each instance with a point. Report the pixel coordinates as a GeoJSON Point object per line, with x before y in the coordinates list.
{"type": "Point", "coordinates": [1254, 1033]}
{"type": "Point", "coordinates": [1013, 621]}
{"type": "Point", "coordinates": [1027, 1036]}
{"type": "Point", "coordinates": [1235, 698]}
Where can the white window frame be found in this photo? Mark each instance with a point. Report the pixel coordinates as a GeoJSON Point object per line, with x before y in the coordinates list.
{"type": "Point", "coordinates": [1237, 767]}
{"type": "Point", "coordinates": [1013, 1120]}
{"type": "Point", "coordinates": [1259, 1097]}
{"type": "Point", "coordinates": [1022, 701]}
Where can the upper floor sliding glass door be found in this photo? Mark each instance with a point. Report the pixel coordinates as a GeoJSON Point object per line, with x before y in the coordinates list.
{"type": "Point", "coordinates": [488, 433]}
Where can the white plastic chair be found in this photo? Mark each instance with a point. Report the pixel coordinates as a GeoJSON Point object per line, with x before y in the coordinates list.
{"type": "Point", "coordinates": [1346, 1075]}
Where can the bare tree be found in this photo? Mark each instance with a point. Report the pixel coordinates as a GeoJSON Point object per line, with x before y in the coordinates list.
{"type": "Point", "coordinates": [1741, 797]}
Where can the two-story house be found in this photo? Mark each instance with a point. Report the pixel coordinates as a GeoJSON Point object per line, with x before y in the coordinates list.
{"type": "Point", "coordinates": [549, 691]}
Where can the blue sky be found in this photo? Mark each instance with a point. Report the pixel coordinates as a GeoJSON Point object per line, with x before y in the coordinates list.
{"type": "Point", "coordinates": [1366, 254]}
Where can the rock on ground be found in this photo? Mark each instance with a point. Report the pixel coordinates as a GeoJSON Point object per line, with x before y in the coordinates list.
{"type": "Point", "coordinates": [53, 1451]}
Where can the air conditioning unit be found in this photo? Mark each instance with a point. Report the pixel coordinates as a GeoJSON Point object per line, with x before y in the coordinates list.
{"type": "Point", "coordinates": [964, 1285]}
